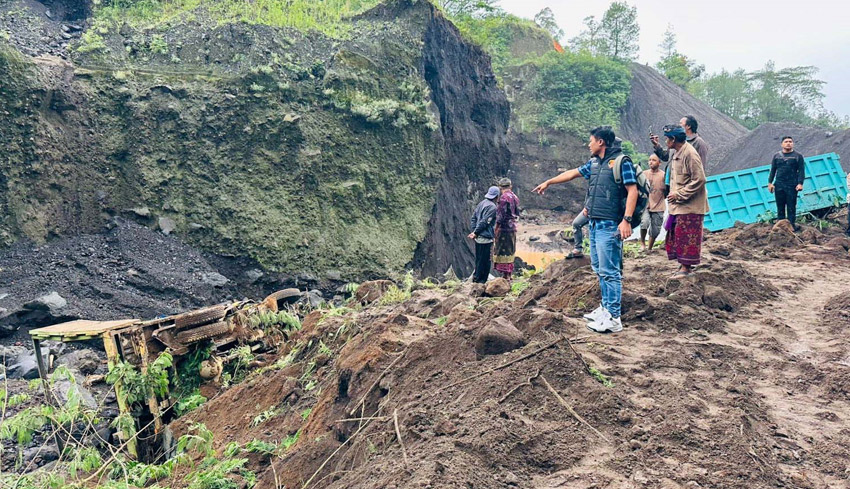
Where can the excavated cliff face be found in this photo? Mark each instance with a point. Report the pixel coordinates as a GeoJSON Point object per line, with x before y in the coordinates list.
{"type": "Point", "coordinates": [304, 153]}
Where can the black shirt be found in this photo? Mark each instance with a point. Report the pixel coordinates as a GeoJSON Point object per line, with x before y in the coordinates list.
{"type": "Point", "coordinates": [789, 169]}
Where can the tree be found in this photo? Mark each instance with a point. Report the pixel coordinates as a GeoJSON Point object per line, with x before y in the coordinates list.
{"type": "Point", "coordinates": [546, 19]}
{"type": "Point", "coordinates": [668, 43]}
{"type": "Point", "coordinates": [679, 69]}
{"type": "Point", "coordinates": [621, 31]}
{"type": "Point", "coordinates": [472, 8]}
{"type": "Point", "coordinates": [590, 40]}
{"type": "Point", "coordinates": [791, 94]}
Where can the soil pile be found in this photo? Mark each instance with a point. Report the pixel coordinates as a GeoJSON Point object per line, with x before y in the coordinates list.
{"type": "Point", "coordinates": [758, 147]}
{"type": "Point", "coordinates": [655, 101]}
{"type": "Point", "coordinates": [726, 378]}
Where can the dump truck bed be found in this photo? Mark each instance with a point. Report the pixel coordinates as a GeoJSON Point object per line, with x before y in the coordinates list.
{"type": "Point", "coordinates": [79, 330]}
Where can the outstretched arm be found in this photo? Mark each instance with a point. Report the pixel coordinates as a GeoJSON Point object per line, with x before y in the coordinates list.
{"type": "Point", "coordinates": [562, 178]}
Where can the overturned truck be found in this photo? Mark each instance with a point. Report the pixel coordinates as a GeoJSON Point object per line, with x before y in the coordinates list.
{"type": "Point", "coordinates": [222, 329]}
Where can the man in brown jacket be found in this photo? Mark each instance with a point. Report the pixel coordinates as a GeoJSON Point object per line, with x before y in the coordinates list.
{"type": "Point", "coordinates": [687, 202]}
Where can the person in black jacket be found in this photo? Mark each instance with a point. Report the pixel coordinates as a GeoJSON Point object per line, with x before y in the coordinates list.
{"type": "Point", "coordinates": [787, 173]}
{"type": "Point", "coordinates": [483, 224]}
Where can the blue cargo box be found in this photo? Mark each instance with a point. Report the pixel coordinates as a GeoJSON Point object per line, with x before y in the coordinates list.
{"type": "Point", "coordinates": [743, 195]}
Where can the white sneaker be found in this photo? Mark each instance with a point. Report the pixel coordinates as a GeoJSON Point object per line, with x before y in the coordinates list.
{"type": "Point", "coordinates": [606, 325]}
{"type": "Point", "coordinates": [597, 314]}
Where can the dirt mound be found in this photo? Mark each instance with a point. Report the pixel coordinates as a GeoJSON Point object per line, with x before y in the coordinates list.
{"type": "Point", "coordinates": [836, 313]}
{"type": "Point", "coordinates": [758, 147]}
{"type": "Point", "coordinates": [356, 383]}
{"type": "Point", "coordinates": [130, 271]}
{"type": "Point", "coordinates": [655, 101]}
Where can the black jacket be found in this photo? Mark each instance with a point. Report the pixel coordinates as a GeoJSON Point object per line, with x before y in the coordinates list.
{"type": "Point", "coordinates": [788, 169]}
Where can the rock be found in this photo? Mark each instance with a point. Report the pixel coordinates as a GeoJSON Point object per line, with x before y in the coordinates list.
{"type": "Point", "coordinates": [50, 302]}
{"type": "Point", "coordinates": [9, 354]}
{"type": "Point", "coordinates": [75, 27]}
{"type": "Point", "coordinates": [49, 14]}
{"type": "Point", "coordinates": [25, 367]}
{"type": "Point", "coordinates": [372, 291]}
{"type": "Point", "coordinates": [166, 225]}
{"type": "Point", "coordinates": [334, 275]}
{"type": "Point", "coordinates": [40, 455]}
{"type": "Point", "coordinates": [497, 288]}
{"type": "Point", "coordinates": [85, 360]}
{"type": "Point", "coordinates": [635, 444]}
{"type": "Point", "coordinates": [782, 235]}
{"type": "Point", "coordinates": [141, 211]}
{"type": "Point", "coordinates": [62, 390]}
{"type": "Point", "coordinates": [214, 279]}
{"type": "Point", "coordinates": [291, 117]}
{"type": "Point", "coordinates": [477, 290]}
{"type": "Point", "coordinates": [721, 251]}
{"type": "Point", "coordinates": [313, 299]}
{"type": "Point", "coordinates": [717, 298]}
{"type": "Point", "coordinates": [500, 336]}
{"type": "Point", "coordinates": [307, 277]}
{"type": "Point", "coordinates": [253, 275]}
{"type": "Point", "coordinates": [65, 28]}
{"type": "Point", "coordinates": [534, 238]}
{"type": "Point", "coordinates": [194, 226]}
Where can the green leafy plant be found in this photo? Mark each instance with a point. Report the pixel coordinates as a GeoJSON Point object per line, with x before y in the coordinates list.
{"type": "Point", "coordinates": [290, 440]}
{"type": "Point", "coordinates": [158, 45]}
{"type": "Point", "coordinates": [260, 446]}
{"type": "Point", "coordinates": [264, 416]}
{"type": "Point", "coordinates": [138, 386]}
{"type": "Point", "coordinates": [306, 413]}
{"type": "Point", "coordinates": [189, 403]}
{"type": "Point", "coordinates": [394, 295]}
{"type": "Point", "coordinates": [198, 438]}
{"type": "Point", "coordinates": [600, 377]}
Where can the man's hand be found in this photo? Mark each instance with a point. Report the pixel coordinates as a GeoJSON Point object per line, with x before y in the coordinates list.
{"type": "Point", "coordinates": [654, 140]}
{"type": "Point", "coordinates": [541, 189]}
{"type": "Point", "coordinates": [625, 230]}
{"type": "Point", "coordinates": [770, 187]}
{"type": "Point", "coordinates": [584, 211]}
{"type": "Point", "coordinates": [672, 198]}
{"type": "Point", "coordinates": [471, 236]}
{"type": "Point", "coordinates": [799, 188]}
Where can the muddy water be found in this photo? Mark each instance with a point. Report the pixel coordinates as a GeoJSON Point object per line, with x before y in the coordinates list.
{"type": "Point", "coordinates": [539, 259]}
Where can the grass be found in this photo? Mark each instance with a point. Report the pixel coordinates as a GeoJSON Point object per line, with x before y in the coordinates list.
{"type": "Point", "coordinates": [326, 16]}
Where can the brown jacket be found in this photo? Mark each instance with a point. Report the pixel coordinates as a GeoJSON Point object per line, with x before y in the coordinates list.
{"type": "Point", "coordinates": [687, 183]}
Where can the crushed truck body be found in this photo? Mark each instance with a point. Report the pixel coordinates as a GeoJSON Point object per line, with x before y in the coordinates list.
{"type": "Point", "coordinates": [222, 328]}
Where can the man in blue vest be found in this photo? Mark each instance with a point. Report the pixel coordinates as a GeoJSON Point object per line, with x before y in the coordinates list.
{"type": "Point", "coordinates": [610, 207]}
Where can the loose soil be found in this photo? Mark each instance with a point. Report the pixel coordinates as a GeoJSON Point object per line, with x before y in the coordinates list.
{"type": "Point", "coordinates": [736, 376]}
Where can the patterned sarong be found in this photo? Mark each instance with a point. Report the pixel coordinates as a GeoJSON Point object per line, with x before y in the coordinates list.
{"type": "Point", "coordinates": [505, 250]}
{"type": "Point", "coordinates": [684, 238]}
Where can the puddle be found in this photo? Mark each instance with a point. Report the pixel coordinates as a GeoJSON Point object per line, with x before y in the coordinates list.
{"type": "Point", "coordinates": [539, 259]}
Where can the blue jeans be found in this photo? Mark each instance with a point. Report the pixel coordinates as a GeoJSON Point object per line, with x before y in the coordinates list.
{"type": "Point", "coordinates": [606, 259]}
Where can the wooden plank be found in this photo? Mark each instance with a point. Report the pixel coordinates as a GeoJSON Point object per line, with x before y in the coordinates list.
{"type": "Point", "coordinates": [81, 328]}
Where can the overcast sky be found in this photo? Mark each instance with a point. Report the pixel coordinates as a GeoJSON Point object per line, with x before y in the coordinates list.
{"type": "Point", "coordinates": [732, 33]}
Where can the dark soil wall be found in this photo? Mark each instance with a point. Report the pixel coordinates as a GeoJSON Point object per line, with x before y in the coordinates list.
{"type": "Point", "coordinates": [474, 115]}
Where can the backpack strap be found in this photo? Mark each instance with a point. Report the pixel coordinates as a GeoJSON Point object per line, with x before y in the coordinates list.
{"type": "Point", "coordinates": [618, 169]}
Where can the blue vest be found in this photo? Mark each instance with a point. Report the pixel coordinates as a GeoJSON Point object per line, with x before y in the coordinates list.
{"type": "Point", "coordinates": [606, 198]}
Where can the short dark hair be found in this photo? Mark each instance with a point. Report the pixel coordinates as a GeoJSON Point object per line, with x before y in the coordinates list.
{"type": "Point", "coordinates": [786, 137]}
{"type": "Point", "coordinates": [691, 122]}
{"type": "Point", "coordinates": [605, 134]}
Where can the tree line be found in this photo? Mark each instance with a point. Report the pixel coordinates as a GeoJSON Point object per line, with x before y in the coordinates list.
{"type": "Point", "coordinates": [771, 94]}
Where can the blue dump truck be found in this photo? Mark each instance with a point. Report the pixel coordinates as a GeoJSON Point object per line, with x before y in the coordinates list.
{"type": "Point", "coordinates": [743, 195]}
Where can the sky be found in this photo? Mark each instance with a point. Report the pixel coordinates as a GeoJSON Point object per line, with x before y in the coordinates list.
{"type": "Point", "coordinates": [732, 34]}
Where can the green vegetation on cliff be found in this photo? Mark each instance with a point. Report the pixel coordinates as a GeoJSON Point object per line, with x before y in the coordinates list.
{"type": "Point", "coordinates": [326, 16]}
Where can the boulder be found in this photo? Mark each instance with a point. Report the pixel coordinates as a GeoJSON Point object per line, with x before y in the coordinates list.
{"type": "Point", "coordinates": [372, 290]}
{"type": "Point", "coordinates": [86, 361]}
{"type": "Point", "coordinates": [214, 279]}
{"type": "Point", "coordinates": [40, 455]}
{"type": "Point", "coordinates": [500, 336]}
{"type": "Point", "coordinates": [253, 275]}
{"type": "Point", "coordinates": [497, 288]}
{"type": "Point", "coordinates": [51, 302]}
{"type": "Point", "coordinates": [166, 225]}
{"type": "Point", "coordinates": [717, 298]}
{"type": "Point", "coordinates": [25, 367]}
{"type": "Point", "coordinates": [9, 354]}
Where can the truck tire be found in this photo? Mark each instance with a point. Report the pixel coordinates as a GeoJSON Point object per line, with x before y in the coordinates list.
{"type": "Point", "coordinates": [194, 335]}
{"type": "Point", "coordinates": [201, 316]}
